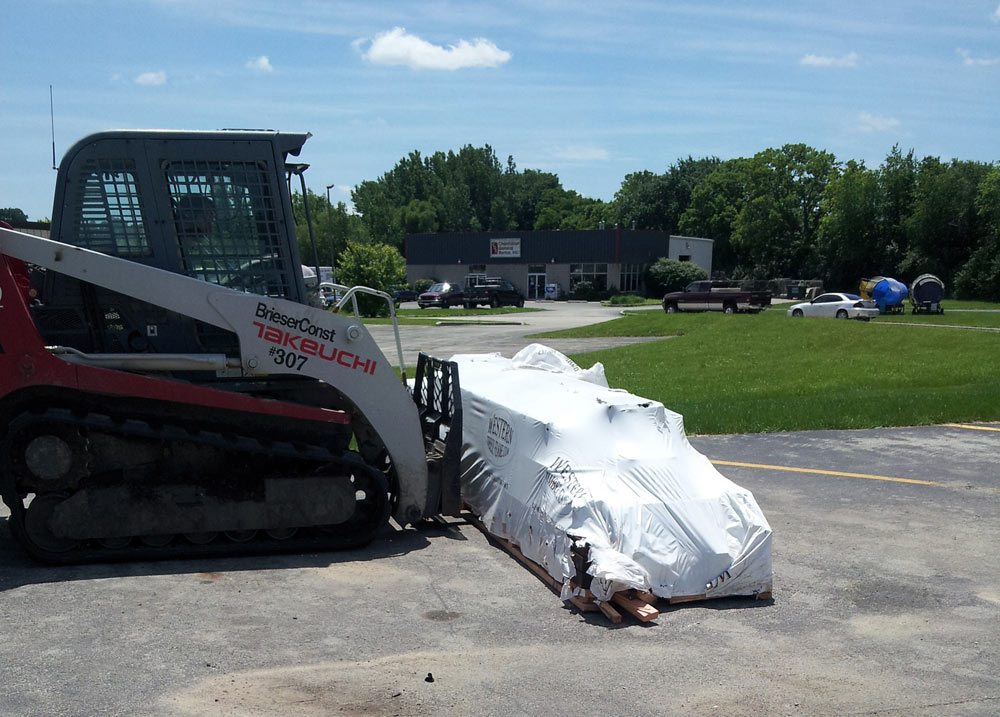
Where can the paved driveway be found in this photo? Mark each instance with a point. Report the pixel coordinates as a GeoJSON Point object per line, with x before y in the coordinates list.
{"type": "Point", "coordinates": [506, 338]}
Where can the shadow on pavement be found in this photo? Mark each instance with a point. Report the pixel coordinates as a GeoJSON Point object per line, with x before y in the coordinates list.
{"type": "Point", "coordinates": [17, 569]}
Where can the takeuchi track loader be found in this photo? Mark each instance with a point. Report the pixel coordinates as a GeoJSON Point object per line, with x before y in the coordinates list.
{"type": "Point", "coordinates": [169, 388]}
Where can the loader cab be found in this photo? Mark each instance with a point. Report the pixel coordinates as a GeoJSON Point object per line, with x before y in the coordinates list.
{"type": "Point", "coordinates": [212, 205]}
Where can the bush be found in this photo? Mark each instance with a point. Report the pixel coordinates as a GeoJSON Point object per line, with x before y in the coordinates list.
{"type": "Point", "coordinates": [584, 291]}
{"type": "Point", "coordinates": [422, 285]}
{"type": "Point", "coordinates": [627, 300]}
{"type": "Point", "coordinates": [980, 277]}
{"type": "Point", "coordinates": [377, 266]}
{"type": "Point", "coordinates": [666, 275]}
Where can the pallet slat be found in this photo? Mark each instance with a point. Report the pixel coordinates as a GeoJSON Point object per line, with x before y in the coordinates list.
{"type": "Point", "coordinates": [609, 612]}
{"type": "Point", "coordinates": [641, 611]}
{"type": "Point", "coordinates": [646, 597]}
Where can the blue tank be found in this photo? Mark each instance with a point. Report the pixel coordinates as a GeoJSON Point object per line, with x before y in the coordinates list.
{"type": "Point", "coordinates": [889, 295]}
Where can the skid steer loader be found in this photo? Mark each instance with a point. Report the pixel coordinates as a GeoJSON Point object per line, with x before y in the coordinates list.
{"type": "Point", "coordinates": [169, 385]}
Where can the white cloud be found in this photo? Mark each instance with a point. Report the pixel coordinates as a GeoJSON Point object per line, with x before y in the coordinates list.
{"type": "Point", "coordinates": [398, 47]}
{"type": "Point", "coordinates": [579, 153]}
{"type": "Point", "coordinates": [868, 122]}
{"type": "Point", "coordinates": [151, 78]}
{"type": "Point", "coordinates": [848, 60]}
{"type": "Point", "coordinates": [969, 60]}
{"type": "Point", "coordinates": [996, 14]}
{"type": "Point", "coordinates": [260, 64]}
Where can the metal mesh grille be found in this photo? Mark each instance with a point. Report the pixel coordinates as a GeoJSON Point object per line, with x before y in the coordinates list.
{"type": "Point", "coordinates": [226, 225]}
{"type": "Point", "coordinates": [109, 216]}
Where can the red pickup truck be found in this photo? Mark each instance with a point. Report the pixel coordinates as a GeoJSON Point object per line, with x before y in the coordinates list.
{"type": "Point", "coordinates": [716, 296]}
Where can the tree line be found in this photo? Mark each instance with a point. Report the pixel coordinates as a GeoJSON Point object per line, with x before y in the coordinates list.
{"type": "Point", "coordinates": [793, 211]}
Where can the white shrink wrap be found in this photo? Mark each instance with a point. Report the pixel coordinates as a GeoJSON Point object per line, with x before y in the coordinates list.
{"type": "Point", "coordinates": [553, 457]}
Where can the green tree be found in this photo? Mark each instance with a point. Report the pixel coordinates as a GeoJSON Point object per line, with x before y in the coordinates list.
{"type": "Point", "coordinates": [13, 215]}
{"type": "Point", "coordinates": [666, 275]}
{"type": "Point", "coordinates": [377, 266]}
{"type": "Point", "coordinates": [479, 170]}
{"type": "Point", "coordinates": [897, 180]}
{"type": "Point", "coordinates": [657, 201]}
{"type": "Point", "coordinates": [775, 232]}
{"type": "Point", "coordinates": [979, 278]}
{"type": "Point", "coordinates": [640, 202]}
{"type": "Point", "coordinates": [943, 229]}
{"type": "Point", "coordinates": [522, 194]}
{"type": "Point", "coordinates": [379, 212]}
{"type": "Point", "coordinates": [562, 209]}
{"type": "Point", "coordinates": [851, 241]}
{"type": "Point", "coordinates": [712, 210]}
{"type": "Point", "coordinates": [333, 226]}
{"type": "Point", "coordinates": [679, 183]}
{"type": "Point", "coordinates": [455, 211]}
{"type": "Point", "coordinates": [419, 216]}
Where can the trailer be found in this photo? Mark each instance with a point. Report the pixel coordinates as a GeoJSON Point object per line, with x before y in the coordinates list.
{"type": "Point", "coordinates": [926, 293]}
{"type": "Point", "coordinates": [888, 294]}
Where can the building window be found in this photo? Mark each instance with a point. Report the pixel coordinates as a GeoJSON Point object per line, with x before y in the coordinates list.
{"type": "Point", "coordinates": [477, 269]}
{"type": "Point", "coordinates": [631, 277]}
{"type": "Point", "coordinates": [596, 274]}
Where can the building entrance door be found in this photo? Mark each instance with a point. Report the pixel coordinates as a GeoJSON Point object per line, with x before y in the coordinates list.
{"type": "Point", "coordinates": [536, 283]}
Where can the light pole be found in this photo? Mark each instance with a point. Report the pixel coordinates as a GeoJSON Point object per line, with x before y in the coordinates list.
{"type": "Point", "coordinates": [329, 216]}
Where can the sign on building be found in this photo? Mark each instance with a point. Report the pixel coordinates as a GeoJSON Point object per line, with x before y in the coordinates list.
{"type": "Point", "coordinates": [505, 248]}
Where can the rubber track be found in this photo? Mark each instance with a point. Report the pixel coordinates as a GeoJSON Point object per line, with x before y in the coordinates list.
{"type": "Point", "coordinates": [340, 537]}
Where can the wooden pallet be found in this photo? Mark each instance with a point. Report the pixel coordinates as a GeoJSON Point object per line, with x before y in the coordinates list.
{"type": "Point", "coordinates": [639, 604]}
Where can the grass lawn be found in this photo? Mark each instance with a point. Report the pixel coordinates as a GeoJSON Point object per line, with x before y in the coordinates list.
{"type": "Point", "coordinates": [956, 313]}
{"type": "Point", "coordinates": [640, 301]}
{"type": "Point", "coordinates": [768, 372]}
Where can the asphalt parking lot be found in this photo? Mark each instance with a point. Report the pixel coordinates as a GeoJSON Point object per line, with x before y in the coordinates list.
{"type": "Point", "coordinates": [886, 601]}
{"type": "Point", "coordinates": [506, 333]}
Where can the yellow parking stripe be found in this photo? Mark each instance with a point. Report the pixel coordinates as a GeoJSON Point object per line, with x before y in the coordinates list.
{"type": "Point", "coordinates": [970, 427]}
{"type": "Point", "coordinates": [817, 471]}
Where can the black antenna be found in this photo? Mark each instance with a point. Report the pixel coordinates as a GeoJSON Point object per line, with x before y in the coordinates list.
{"type": "Point", "coordinates": [52, 120]}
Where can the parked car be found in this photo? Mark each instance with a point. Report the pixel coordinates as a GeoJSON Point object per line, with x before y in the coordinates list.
{"type": "Point", "coordinates": [707, 295]}
{"type": "Point", "coordinates": [404, 294]}
{"type": "Point", "coordinates": [442, 295]}
{"type": "Point", "coordinates": [495, 293]}
{"type": "Point", "coordinates": [836, 306]}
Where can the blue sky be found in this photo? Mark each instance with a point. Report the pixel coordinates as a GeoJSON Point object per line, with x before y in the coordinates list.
{"type": "Point", "coordinates": [588, 90]}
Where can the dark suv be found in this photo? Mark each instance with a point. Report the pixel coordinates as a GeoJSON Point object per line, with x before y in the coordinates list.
{"type": "Point", "coordinates": [404, 293]}
{"type": "Point", "coordinates": [495, 292]}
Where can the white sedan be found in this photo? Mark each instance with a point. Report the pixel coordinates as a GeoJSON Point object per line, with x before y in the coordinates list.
{"type": "Point", "coordinates": [836, 306]}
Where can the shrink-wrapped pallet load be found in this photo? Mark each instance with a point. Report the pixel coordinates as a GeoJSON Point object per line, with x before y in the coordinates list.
{"type": "Point", "coordinates": [553, 457]}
